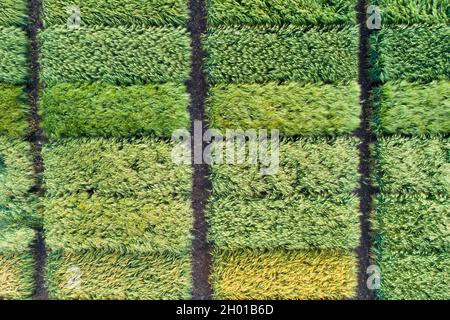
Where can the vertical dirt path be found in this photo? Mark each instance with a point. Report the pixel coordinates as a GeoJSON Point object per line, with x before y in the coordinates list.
{"type": "Point", "coordinates": [365, 191]}
{"type": "Point", "coordinates": [36, 139]}
{"type": "Point", "coordinates": [197, 87]}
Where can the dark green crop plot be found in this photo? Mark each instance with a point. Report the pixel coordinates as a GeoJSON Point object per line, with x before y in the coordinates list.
{"type": "Point", "coordinates": [107, 110]}
{"type": "Point", "coordinates": [413, 108]}
{"type": "Point", "coordinates": [13, 13]}
{"type": "Point", "coordinates": [16, 263]}
{"type": "Point", "coordinates": [13, 59]}
{"type": "Point", "coordinates": [413, 223]}
{"type": "Point", "coordinates": [414, 277]}
{"type": "Point", "coordinates": [294, 222]}
{"type": "Point", "coordinates": [315, 167]}
{"type": "Point", "coordinates": [280, 12]}
{"type": "Point", "coordinates": [16, 179]}
{"type": "Point", "coordinates": [117, 55]}
{"type": "Point", "coordinates": [145, 223]}
{"type": "Point", "coordinates": [418, 53]}
{"type": "Point", "coordinates": [293, 108]}
{"type": "Point", "coordinates": [105, 275]}
{"type": "Point", "coordinates": [413, 11]}
{"type": "Point", "coordinates": [13, 111]}
{"type": "Point", "coordinates": [260, 54]}
{"type": "Point", "coordinates": [116, 13]}
{"type": "Point", "coordinates": [115, 168]}
{"type": "Point", "coordinates": [413, 165]}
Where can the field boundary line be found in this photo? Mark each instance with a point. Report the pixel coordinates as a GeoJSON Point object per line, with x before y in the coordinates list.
{"type": "Point", "coordinates": [37, 139]}
{"type": "Point", "coordinates": [365, 191]}
{"type": "Point", "coordinates": [198, 89]}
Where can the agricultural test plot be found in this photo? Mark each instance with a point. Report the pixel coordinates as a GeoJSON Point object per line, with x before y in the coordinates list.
{"type": "Point", "coordinates": [98, 203]}
{"type": "Point", "coordinates": [412, 121]}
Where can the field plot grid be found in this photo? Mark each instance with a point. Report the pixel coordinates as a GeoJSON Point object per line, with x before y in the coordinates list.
{"type": "Point", "coordinates": [96, 205]}
{"type": "Point", "coordinates": [412, 156]}
{"type": "Point", "coordinates": [291, 235]}
{"type": "Point", "coordinates": [117, 210]}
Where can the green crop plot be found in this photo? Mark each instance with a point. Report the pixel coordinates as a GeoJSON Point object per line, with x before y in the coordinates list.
{"type": "Point", "coordinates": [413, 223]}
{"type": "Point", "coordinates": [13, 55]}
{"type": "Point", "coordinates": [414, 277]}
{"type": "Point", "coordinates": [105, 275]}
{"type": "Point", "coordinates": [278, 12]}
{"type": "Point", "coordinates": [311, 167]}
{"type": "Point", "coordinates": [293, 108]}
{"type": "Point", "coordinates": [13, 13]}
{"type": "Point", "coordinates": [280, 274]}
{"type": "Point", "coordinates": [307, 204]}
{"type": "Point", "coordinates": [116, 55]}
{"type": "Point", "coordinates": [112, 195]}
{"type": "Point", "coordinates": [118, 13]}
{"type": "Point", "coordinates": [413, 11]}
{"type": "Point", "coordinates": [145, 223]}
{"type": "Point", "coordinates": [16, 179]}
{"type": "Point", "coordinates": [413, 108]}
{"type": "Point", "coordinates": [416, 53]}
{"type": "Point", "coordinates": [261, 54]}
{"type": "Point", "coordinates": [13, 111]}
{"type": "Point", "coordinates": [107, 110]}
{"type": "Point", "coordinates": [296, 222]}
{"type": "Point", "coordinates": [115, 168]}
{"type": "Point", "coordinates": [413, 165]}
{"type": "Point", "coordinates": [16, 262]}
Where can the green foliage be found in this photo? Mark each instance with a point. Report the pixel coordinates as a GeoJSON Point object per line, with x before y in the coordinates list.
{"type": "Point", "coordinates": [16, 179]}
{"type": "Point", "coordinates": [117, 55]}
{"type": "Point", "coordinates": [13, 111]}
{"type": "Point", "coordinates": [144, 223]}
{"type": "Point", "coordinates": [116, 13]}
{"type": "Point", "coordinates": [101, 109]}
{"type": "Point", "coordinates": [13, 13]}
{"type": "Point", "coordinates": [311, 167]}
{"type": "Point", "coordinates": [308, 203]}
{"type": "Point", "coordinates": [294, 222]}
{"type": "Point", "coordinates": [281, 274]}
{"type": "Point", "coordinates": [413, 165]}
{"type": "Point", "coordinates": [106, 275]}
{"type": "Point", "coordinates": [13, 55]}
{"type": "Point", "coordinates": [115, 168]}
{"type": "Point", "coordinates": [16, 263]}
{"type": "Point", "coordinates": [414, 277]}
{"type": "Point", "coordinates": [413, 108]}
{"type": "Point", "coordinates": [293, 108]}
{"type": "Point", "coordinates": [260, 54]}
{"type": "Point", "coordinates": [418, 53]}
{"type": "Point", "coordinates": [414, 224]}
{"type": "Point", "coordinates": [278, 12]}
{"type": "Point", "coordinates": [413, 11]}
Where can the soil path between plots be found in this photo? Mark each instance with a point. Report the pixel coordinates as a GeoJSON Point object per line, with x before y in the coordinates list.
{"type": "Point", "coordinates": [365, 191]}
{"type": "Point", "coordinates": [36, 139]}
{"type": "Point", "coordinates": [197, 88]}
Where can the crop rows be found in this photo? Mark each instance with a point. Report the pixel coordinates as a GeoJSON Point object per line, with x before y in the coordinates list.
{"type": "Point", "coordinates": [290, 235]}
{"type": "Point", "coordinates": [117, 210]}
{"type": "Point", "coordinates": [17, 206]}
{"type": "Point", "coordinates": [117, 213]}
{"type": "Point", "coordinates": [412, 115]}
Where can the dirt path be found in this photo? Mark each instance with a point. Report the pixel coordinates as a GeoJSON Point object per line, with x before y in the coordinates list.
{"type": "Point", "coordinates": [36, 139]}
{"type": "Point", "coordinates": [197, 87]}
{"type": "Point", "coordinates": [365, 191]}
